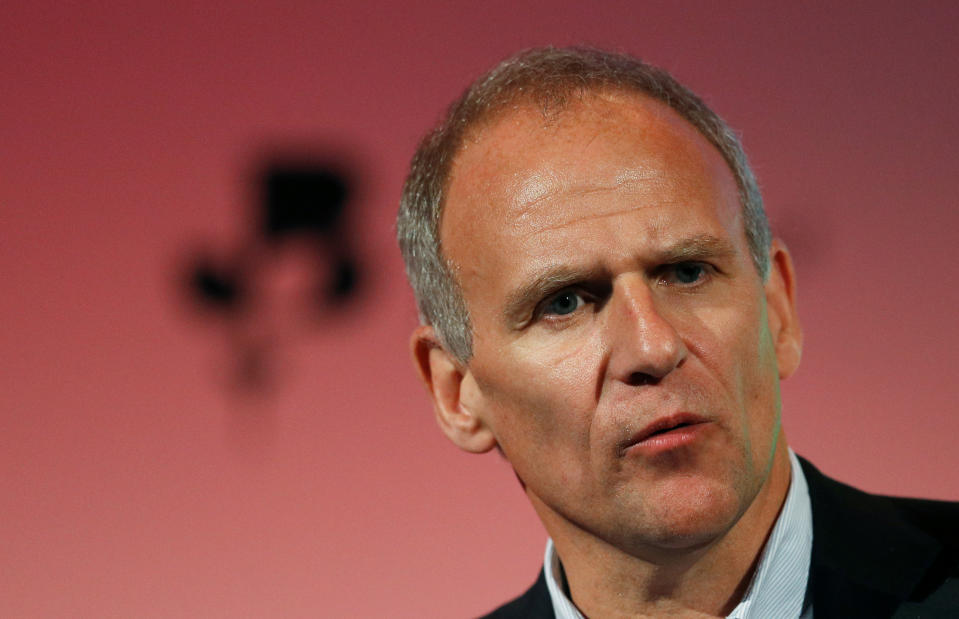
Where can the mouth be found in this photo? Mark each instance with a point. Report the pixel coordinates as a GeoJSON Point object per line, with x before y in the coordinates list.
{"type": "Point", "coordinates": [667, 433]}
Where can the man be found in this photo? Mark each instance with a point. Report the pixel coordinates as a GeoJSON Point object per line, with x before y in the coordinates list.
{"type": "Point", "coordinates": [602, 302]}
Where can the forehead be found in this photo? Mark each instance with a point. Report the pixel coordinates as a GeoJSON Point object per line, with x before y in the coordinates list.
{"type": "Point", "coordinates": [525, 181]}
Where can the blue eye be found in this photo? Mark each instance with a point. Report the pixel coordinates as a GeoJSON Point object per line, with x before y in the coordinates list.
{"type": "Point", "coordinates": [564, 303]}
{"type": "Point", "coordinates": [688, 272]}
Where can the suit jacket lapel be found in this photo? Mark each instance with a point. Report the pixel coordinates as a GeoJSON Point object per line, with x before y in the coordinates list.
{"type": "Point", "coordinates": [534, 604]}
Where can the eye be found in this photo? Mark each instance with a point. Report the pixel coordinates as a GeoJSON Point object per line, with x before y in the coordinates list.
{"type": "Point", "coordinates": [686, 273]}
{"type": "Point", "coordinates": [565, 302]}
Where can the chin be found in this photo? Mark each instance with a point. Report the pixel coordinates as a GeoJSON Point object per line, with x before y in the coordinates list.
{"type": "Point", "coordinates": [692, 518]}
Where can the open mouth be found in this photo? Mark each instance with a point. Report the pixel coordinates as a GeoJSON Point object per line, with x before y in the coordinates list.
{"type": "Point", "coordinates": [668, 432]}
{"type": "Point", "coordinates": [670, 429]}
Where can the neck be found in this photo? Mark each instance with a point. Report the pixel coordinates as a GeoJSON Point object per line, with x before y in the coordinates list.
{"type": "Point", "coordinates": [707, 580]}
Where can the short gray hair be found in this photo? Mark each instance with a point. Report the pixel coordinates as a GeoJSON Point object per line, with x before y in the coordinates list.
{"type": "Point", "coordinates": [547, 78]}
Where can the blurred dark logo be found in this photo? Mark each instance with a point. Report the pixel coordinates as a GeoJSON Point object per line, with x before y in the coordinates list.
{"type": "Point", "coordinates": [289, 276]}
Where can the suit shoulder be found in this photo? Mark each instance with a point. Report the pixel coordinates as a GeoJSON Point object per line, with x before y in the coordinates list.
{"type": "Point", "coordinates": [936, 518]}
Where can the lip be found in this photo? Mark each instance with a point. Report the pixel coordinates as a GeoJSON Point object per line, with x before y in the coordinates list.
{"type": "Point", "coordinates": [666, 433]}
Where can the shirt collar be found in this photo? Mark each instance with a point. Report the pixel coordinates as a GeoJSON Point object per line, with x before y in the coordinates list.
{"type": "Point", "coordinates": [778, 587]}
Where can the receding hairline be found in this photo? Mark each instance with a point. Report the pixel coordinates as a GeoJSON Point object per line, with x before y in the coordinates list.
{"type": "Point", "coordinates": [552, 106]}
{"type": "Point", "coordinates": [525, 103]}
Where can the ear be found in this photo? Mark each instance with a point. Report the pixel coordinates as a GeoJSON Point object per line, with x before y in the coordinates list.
{"type": "Point", "coordinates": [453, 391]}
{"type": "Point", "coordinates": [781, 309]}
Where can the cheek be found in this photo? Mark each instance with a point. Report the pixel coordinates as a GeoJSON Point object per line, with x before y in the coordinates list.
{"type": "Point", "coordinates": [760, 392]}
{"type": "Point", "coordinates": [726, 340]}
{"type": "Point", "coordinates": [567, 369]}
{"type": "Point", "coordinates": [735, 346]}
{"type": "Point", "coordinates": [542, 394]}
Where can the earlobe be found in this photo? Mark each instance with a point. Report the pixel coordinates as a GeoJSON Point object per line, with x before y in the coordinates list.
{"type": "Point", "coordinates": [448, 383]}
{"type": "Point", "coordinates": [781, 307]}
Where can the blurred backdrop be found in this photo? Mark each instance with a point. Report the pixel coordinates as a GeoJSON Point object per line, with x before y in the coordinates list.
{"type": "Point", "coordinates": [263, 448]}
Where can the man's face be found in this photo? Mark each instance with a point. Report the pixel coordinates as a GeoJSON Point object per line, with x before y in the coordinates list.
{"type": "Point", "coordinates": [623, 356]}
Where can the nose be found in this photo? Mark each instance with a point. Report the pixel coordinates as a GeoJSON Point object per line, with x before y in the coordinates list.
{"type": "Point", "coordinates": [644, 345]}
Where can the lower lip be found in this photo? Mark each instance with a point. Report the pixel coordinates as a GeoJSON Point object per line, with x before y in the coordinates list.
{"type": "Point", "coordinates": [667, 441]}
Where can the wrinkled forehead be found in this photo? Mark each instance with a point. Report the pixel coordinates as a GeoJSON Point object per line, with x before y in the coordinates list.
{"type": "Point", "coordinates": [522, 158]}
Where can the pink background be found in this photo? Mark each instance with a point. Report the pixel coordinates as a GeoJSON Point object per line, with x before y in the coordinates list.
{"type": "Point", "coordinates": [135, 483]}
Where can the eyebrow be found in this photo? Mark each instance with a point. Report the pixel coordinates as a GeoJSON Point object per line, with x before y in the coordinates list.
{"type": "Point", "coordinates": [553, 279]}
{"type": "Point", "coordinates": [700, 247]}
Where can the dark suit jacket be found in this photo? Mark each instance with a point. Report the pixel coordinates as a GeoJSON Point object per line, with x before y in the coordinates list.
{"type": "Point", "coordinates": [872, 556]}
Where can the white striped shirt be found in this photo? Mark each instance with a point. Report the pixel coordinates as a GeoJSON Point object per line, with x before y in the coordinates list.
{"type": "Point", "coordinates": [778, 588]}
